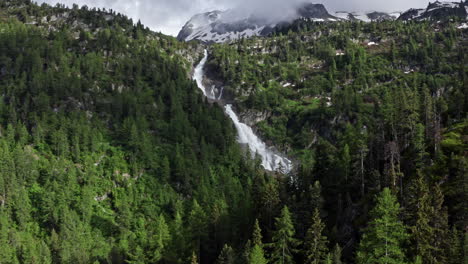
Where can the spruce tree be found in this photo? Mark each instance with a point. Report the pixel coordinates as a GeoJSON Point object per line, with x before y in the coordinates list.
{"type": "Point", "coordinates": [194, 259]}
{"type": "Point", "coordinates": [257, 234]}
{"type": "Point", "coordinates": [456, 250]}
{"type": "Point", "coordinates": [161, 238]}
{"type": "Point", "coordinates": [336, 255]}
{"type": "Point", "coordinates": [429, 222]}
{"type": "Point", "coordinates": [386, 235]}
{"type": "Point", "coordinates": [284, 243]}
{"type": "Point", "coordinates": [226, 256]}
{"type": "Point", "coordinates": [257, 256]}
{"type": "Point", "coordinates": [315, 242]}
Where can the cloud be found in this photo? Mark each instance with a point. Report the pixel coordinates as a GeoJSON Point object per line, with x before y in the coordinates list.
{"type": "Point", "coordinates": [168, 16]}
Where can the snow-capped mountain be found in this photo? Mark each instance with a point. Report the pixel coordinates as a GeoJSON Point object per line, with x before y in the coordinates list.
{"type": "Point", "coordinates": [437, 11]}
{"type": "Point", "coordinates": [367, 16]}
{"type": "Point", "coordinates": [215, 27]}
{"type": "Point", "coordinates": [223, 26]}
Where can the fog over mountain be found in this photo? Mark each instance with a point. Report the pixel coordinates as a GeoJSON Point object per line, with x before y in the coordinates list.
{"type": "Point", "coordinates": [168, 16]}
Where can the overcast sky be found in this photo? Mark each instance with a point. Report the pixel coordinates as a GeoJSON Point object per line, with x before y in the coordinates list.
{"type": "Point", "coordinates": [168, 16]}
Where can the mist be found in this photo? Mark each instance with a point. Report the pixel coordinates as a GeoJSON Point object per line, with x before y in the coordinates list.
{"type": "Point", "coordinates": [168, 16]}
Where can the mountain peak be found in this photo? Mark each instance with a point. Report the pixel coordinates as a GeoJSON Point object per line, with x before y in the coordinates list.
{"type": "Point", "coordinates": [223, 26]}
{"type": "Point", "coordinates": [437, 10]}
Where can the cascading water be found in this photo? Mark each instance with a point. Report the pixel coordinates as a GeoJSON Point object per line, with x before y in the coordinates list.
{"type": "Point", "coordinates": [221, 94]}
{"type": "Point", "coordinates": [198, 76]}
{"type": "Point", "coordinates": [270, 160]}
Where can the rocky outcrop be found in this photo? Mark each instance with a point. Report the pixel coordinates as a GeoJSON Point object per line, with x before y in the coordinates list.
{"type": "Point", "coordinates": [224, 26]}
{"type": "Point", "coordinates": [314, 11]}
{"type": "Point", "coordinates": [253, 117]}
{"type": "Point", "coordinates": [437, 11]}
{"type": "Point", "coordinates": [380, 16]}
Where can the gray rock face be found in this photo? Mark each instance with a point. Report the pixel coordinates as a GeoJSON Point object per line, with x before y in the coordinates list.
{"type": "Point", "coordinates": [219, 26]}
{"type": "Point", "coordinates": [317, 11]}
{"type": "Point", "coordinates": [438, 11]}
{"type": "Point", "coordinates": [224, 26]}
{"type": "Point", "coordinates": [380, 16]}
{"type": "Point", "coordinates": [196, 21]}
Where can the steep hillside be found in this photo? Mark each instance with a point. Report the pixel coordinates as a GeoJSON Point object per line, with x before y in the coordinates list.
{"type": "Point", "coordinates": [231, 25]}
{"type": "Point", "coordinates": [219, 26]}
{"type": "Point", "coordinates": [438, 11]}
{"type": "Point", "coordinates": [109, 152]}
{"type": "Point", "coordinates": [361, 106]}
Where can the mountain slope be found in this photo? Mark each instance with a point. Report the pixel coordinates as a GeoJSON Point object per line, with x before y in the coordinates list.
{"type": "Point", "coordinates": [226, 26]}
{"type": "Point", "coordinates": [219, 26]}
{"type": "Point", "coordinates": [438, 11]}
{"type": "Point", "coordinates": [108, 152]}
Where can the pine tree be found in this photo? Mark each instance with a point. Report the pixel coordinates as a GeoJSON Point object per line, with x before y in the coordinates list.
{"type": "Point", "coordinates": [226, 256]}
{"type": "Point", "coordinates": [257, 256]}
{"type": "Point", "coordinates": [440, 240]}
{"type": "Point", "coordinates": [315, 242]}
{"type": "Point", "coordinates": [257, 234]}
{"type": "Point", "coordinates": [383, 240]}
{"type": "Point", "coordinates": [194, 259]}
{"type": "Point", "coordinates": [336, 256]}
{"type": "Point", "coordinates": [197, 220]}
{"type": "Point", "coordinates": [420, 211]}
{"type": "Point", "coordinates": [7, 250]}
{"type": "Point", "coordinates": [456, 250]}
{"type": "Point", "coordinates": [284, 243]}
{"type": "Point", "coordinates": [161, 238]}
{"type": "Point", "coordinates": [429, 222]}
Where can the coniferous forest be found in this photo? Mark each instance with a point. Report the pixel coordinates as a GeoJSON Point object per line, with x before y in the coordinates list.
{"type": "Point", "coordinates": [109, 152]}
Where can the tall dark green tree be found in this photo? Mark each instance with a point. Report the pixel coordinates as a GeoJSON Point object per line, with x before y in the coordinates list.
{"type": "Point", "coordinates": [315, 244]}
{"type": "Point", "coordinates": [283, 242]}
{"type": "Point", "coordinates": [384, 239]}
{"type": "Point", "coordinates": [257, 254]}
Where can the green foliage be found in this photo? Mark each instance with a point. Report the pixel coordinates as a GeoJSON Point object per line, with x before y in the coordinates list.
{"type": "Point", "coordinates": [109, 153]}
{"type": "Point", "coordinates": [257, 256]}
{"type": "Point", "coordinates": [105, 143]}
{"type": "Point", "coordinates": [226, 256]}
{"type": "Point", "coordinates": [315, 243]}
{"type": "Point", "coordinates": [283, 242]}
{"type": "Point", "coordinates": [257, 234]}
{"type": "Point", "coordinates": [384, 239]}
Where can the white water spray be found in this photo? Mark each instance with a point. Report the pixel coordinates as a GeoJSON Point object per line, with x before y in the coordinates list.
{"type": "Point", "coordinates": [221, 94]}
{"type": "Point", "coordinates": [270, 160]}
{"type": "Point", "coordinates": [198, 76]}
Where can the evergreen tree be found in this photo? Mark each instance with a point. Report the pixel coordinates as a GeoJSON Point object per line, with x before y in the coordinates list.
{"type": "Point", "coordinates": [384, 239]}
{"type": "Point", "coordinates": [283, 244]}
{"type": "Point", "coordinates": [226, 256]}
{"type": "Point", "coordinates": [197, 223]}
{"type": "Point", "coordinates": [429, 222]}
{"type": "Point", "coordinates": [315, 242]}
{"type": "Point", "coordinates": [257, 234]}
{"type": "Point", "coordinates": [257, 256]}
{"type": "Point", "coordinates": [194, 259]}
{"type": "Point", "coordinates": [336, 256]}
{"type": "Point", "coordinates": [161, 238]}
{"type": "Point", "coordinates": [456, 249]}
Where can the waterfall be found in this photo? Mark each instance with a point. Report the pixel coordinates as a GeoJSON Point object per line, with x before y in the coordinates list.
{"type": "Point", "coordinates": [221, 94]}
{"type": "Point", "coordinates": [198, 76]}
{"type": "Point", "coordinates": [271, 161]}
